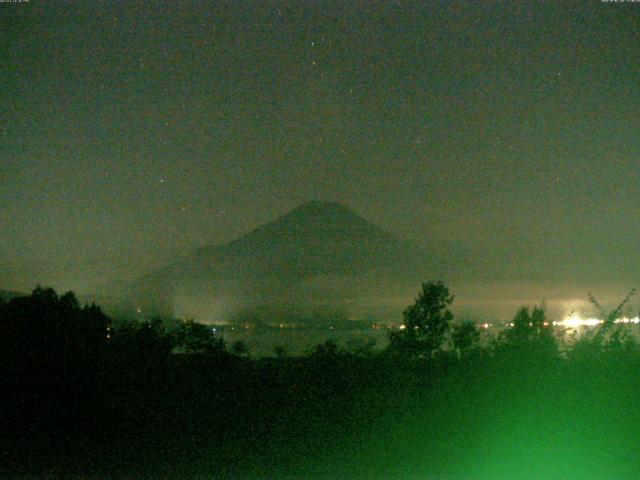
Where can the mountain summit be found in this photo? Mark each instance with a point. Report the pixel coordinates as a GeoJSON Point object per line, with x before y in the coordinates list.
{"type": "Point", "coordinates": [322, 212]}
{"type": "Point", "coordinates": [306, 226]}
{"type": "Point", "coordinates": [320, 208]}
{"type": "Point", "coordinates": [317, 243]}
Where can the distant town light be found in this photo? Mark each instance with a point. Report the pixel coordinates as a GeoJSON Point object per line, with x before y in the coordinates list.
{"type": "Point", "coordinates": [635, 320]}
{"type": "Point", "coordinates": [575, 321]}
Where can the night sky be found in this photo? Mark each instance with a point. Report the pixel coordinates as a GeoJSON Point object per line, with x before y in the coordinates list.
{"type": "Point", "coordinates": [133, 132]}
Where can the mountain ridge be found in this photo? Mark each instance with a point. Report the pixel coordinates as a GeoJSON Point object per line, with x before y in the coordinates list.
{"type": "Point", "coordinates": [274, 261]}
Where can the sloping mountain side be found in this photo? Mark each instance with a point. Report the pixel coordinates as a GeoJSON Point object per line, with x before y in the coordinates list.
{"type": "Point", "coordinates": [320, 255]}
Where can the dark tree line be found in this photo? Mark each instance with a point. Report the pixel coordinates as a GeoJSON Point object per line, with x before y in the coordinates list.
{"type": "Point", "coordinates": [76, 380]}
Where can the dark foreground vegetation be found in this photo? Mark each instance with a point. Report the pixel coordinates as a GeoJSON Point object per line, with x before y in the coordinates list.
{"type": "Point", "coordinates": [86, 397]}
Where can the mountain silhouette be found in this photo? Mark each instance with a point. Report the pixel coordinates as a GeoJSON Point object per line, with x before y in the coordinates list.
{"type": "Point", "coordinates": [297, 258]}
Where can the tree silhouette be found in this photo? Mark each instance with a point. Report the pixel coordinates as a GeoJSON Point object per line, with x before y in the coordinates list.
{"type": "Point", "coordinates": [426, 323]}
{"type": "Point", "coordinates": [610, 318]}
{"type": "Point", "coordinates": [326, 350]}
{"type": "Point", "coordinates": [466, 338]}
{"type": "Point", "coordinates": [44, 327]}
{"type": "Point", "coordinates": [240, 348]}
{"type": "Point", "coordinates": [51, 360]}
{"type": "Point", "coordinates": [280, 351]}
{"type": "Point", "coordinates": [532, 330]}
{"type": "Point", "coordinates": [193, 337]}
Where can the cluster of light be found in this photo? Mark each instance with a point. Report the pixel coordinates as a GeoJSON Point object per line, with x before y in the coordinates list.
{"type": "Point", "coordinates": [575, 321]}
{"type": "Point", "coordinates": [628, 320]}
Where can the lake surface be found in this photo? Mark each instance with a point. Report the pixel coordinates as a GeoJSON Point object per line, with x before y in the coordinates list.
{"type": "Point", "coordinates": [301, 341]}
{"type": "Point", "coordinates": [262, 342]}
